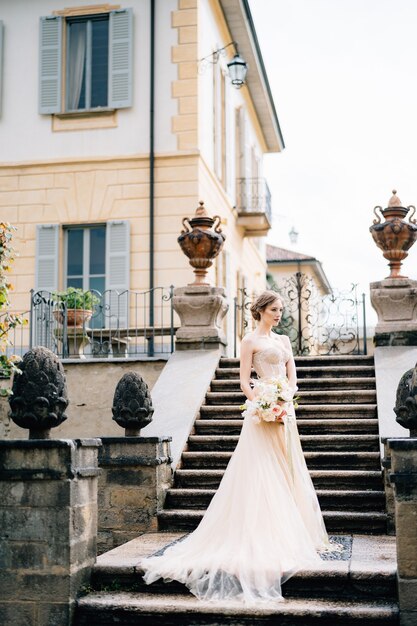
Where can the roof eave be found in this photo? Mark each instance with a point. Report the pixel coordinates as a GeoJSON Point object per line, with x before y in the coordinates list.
{"type": "Point", "coordinates": [313, 263]}
{"type": "Point", "coordinates": [239, 20]}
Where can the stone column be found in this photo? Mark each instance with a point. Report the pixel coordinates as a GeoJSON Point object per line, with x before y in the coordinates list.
{"type": "Point", "coordinates": [135, 476]}
{"type": "Point", "coordinates": [404, 478]}
{"type": "Point", "coordinates": [201, 309]}
{"type": "Point", "coordinates": [395, 301]}
{"type": "Point", "coordinates": [48, 526]}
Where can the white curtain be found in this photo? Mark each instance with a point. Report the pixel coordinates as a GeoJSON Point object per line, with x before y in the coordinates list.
{"type": "Point", "coordinates": [77, 53]}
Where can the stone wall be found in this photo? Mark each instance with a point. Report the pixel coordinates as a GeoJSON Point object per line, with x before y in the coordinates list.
{"type": "Point", "coordinates": [48, 522]}
{"type": "Point", "coordinates": [91, 385]}
{"type": "Point", "coordinates": [404, 478]}
{"type": "Point", "coordinates": [135, 475]}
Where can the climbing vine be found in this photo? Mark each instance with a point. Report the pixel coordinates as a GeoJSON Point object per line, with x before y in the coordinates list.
{"type": "Point", "coordinates": [8, 321]}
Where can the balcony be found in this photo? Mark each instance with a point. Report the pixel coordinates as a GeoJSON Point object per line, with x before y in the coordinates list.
{"type": "Point", "coordinates": [253, 206]}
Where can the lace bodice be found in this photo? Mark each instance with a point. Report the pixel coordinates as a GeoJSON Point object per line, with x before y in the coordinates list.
{"type": "Point", "coordinates": [271, 361]}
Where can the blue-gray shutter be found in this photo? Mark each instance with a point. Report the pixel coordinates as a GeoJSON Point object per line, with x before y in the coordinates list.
{"type": "Point", "coordinates": [120, 58]}
{"type": "Point", "coordinates": [118, 272]}
{"type": "Point", "coordinates": [50, 64]}
{"type": "Point", "coordinates": [47, 242]}
{"type": "Point", "coordinates": [1, 61]}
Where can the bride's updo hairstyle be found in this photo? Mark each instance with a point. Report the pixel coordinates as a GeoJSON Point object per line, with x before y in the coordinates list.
{"type": "Point", "coordinates": [262, 301]}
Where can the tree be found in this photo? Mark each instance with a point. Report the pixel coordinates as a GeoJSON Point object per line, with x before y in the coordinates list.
{"type": "Point", "coordinates": [8, 321]}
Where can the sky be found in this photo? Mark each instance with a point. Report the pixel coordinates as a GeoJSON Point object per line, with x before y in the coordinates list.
{"type": "Point", "coordinates": [343, 75]}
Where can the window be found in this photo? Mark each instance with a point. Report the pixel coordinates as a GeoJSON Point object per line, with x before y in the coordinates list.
{"type": "Point", "coordinates": [97, 53]}
{"type": "Point", "coordinates": [85, 263]}
{"type": "Point", "coordinates": [95, 257]}
{"type": "Point", "coordinates": [87, 63]}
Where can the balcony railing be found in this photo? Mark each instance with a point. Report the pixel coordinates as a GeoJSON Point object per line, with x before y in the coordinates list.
{"type": "Point", "coordinates": [119, 325]}
{"type": "Point", "coordinates": [254, 206]}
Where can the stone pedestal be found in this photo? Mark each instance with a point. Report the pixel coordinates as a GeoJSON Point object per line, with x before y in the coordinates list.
{"type": "Point", "coordinates": [395, 301]}
{"type": "Point", "coordinates": [388, 488]}
{"type": "Point", "coordinates": [135, 475]}
{"type": "Point", "coordinates": [201, 309]}
{"type": "Point", "coordinates": [404, 478]}
{"type": "Point", "coordinates": [77, 341]}
{"type": "Point", "coordinates": [48, 512]}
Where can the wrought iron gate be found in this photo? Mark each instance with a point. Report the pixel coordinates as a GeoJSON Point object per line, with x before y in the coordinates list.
{"type": "Point", "coordinates": [316, 324]}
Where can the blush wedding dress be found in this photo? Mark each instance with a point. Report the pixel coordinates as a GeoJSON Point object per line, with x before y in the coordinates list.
{"type": "Point", "coordinates": [263, 524]}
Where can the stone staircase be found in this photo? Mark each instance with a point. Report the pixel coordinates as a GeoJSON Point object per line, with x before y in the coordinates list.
{"type": "Point", "coordinates": [337, 421]}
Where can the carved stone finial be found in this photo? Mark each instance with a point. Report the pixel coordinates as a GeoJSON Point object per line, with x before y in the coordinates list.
{"type": "Point", "coordinates": [201, 210]}
{"type": "Point", "coordinates": [394, 200]}
{"type": "Point", "coordinates": [132, 404]}
{"type": "Point", "coordinates": [406, 401]}
{"type": "Point", "coordinates": [39, 393]}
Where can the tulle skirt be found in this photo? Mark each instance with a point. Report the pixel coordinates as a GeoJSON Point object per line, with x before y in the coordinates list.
{"type": "Point", "coordinates": [263, 524]}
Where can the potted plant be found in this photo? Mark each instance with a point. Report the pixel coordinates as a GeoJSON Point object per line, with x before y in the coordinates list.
{"type": "Point", "coordinates": [77, 304]}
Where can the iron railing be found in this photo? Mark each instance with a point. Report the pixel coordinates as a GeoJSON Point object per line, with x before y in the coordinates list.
{"type": "Point", "coordinates": [16, 334]}
{"type": "Point", "coordinates": [253, 196]}
{"type": "Point", "coordinates": [316, 323]}
{"type": "Point", "coordinates": [116, 325]}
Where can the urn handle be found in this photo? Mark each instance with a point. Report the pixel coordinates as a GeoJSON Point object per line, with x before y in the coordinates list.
{"type": "Point", "coordinates": [378, 217]}
{"type": "Point", "coordinates": [412, 219]}
{"type": "Point", "coordinates": [217, 228]}
{"type": "Point", "coordinates": [187, 225]}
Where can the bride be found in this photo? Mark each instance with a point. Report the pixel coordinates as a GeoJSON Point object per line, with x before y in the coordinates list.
{"type": "Point", "coordinates": [264, 522]}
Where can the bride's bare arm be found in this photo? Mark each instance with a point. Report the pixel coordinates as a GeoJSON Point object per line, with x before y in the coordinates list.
{"type": "Point", "coordinates": [291, 371]}
{"type": "Point", "coordinates": [246, 353]}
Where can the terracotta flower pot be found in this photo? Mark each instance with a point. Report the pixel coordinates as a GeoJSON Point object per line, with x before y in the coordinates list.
{"type": "Point", "coordinates": [76, 318]}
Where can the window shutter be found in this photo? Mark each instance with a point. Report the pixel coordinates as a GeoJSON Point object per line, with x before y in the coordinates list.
{"type": "Point", "coordinates": [118, 272]}
{"type": "Point", "coordinates": [1, 61]}
{"type": "Point", "coordinates": [46, 275]}
{"type": "Point", "coordinates": [120, 58]}
{"type": "Point", "coordinates": [50, 59]}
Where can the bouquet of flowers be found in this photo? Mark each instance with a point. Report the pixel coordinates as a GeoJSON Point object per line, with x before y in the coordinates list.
{"type": "Point", "coordinates": [273, 398]}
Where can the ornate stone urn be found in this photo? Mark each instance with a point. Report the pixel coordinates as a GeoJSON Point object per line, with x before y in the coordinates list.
{"type": "Point", "coordinates": [202, 243]}
{"type": "Point", "coordinates": [395, 235]}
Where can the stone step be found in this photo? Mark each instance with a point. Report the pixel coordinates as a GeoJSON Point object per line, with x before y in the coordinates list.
{"type": "Point", "coordinates": [319, 384]}
{"type": "Point", "coordinates": [330, 500]}
{"type": "Point", "coordinates": [152, 609]}
{"type": "Point", "coordinates": [373, 522]}
{"type": "Point", "coordinates": [321, 411]}
{"type": "Point", "coordinates": [314, 460]}
{"type": "Point", "coordinates": [343, 371]}
{"type": "Point", "coordinates": [229, 426]}
{"type": "Point", "coordinates": [338, 443]}
{"type": "Point", "coordinates": [316, 361]}
{"type": "Point", "coordinates": [322, 479]}
{"type": "Point", "coordinates": [367, 572]}
{"type": "Point", "coordinates": [344, 396]}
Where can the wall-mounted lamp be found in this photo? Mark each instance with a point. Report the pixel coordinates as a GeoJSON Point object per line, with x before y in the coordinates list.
{"type": "Point", "coordinates": [237, 66]}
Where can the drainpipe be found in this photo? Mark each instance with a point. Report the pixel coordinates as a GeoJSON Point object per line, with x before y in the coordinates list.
{"type": "Point", "coordinates": [152, 179]}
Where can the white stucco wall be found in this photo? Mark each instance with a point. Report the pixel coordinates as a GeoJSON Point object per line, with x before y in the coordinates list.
{"type": "Point", "coordinates": [211, 38]}
{"type": "Point", "coordinates": [25, 135]}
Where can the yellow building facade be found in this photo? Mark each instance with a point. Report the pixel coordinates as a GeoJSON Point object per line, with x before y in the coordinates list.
{"type": "Point", "coordinates": [98, 165]}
